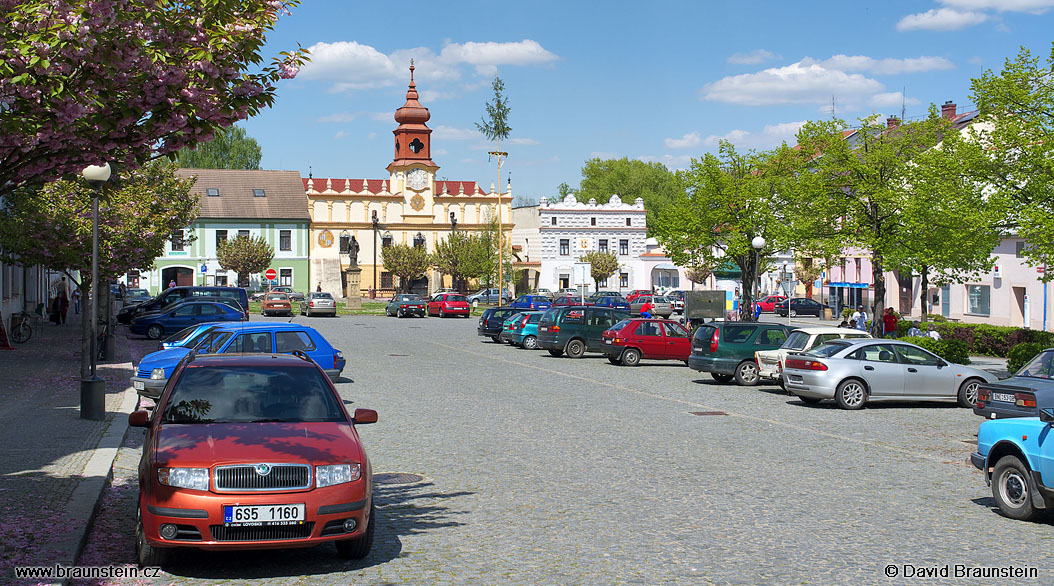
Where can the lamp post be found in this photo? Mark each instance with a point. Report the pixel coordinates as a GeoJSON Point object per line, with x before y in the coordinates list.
{"type": "Point", "coordinates": [501, 284]}
{"type": "Point", "coordinates": [376, 222]}
{"type": "Point", "coordinates": [93, 388]}
{"type": "Point", "coordinates": [758, 243]}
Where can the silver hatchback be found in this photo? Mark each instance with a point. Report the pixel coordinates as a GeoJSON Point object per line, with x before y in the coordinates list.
{"type": "Point", "coordinates": [318, 304]}
{"type": "Point", "coordinates": [854, 372]}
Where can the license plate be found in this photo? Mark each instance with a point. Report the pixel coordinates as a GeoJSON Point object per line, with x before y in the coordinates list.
{"type": "Point", "coordinates": [263, 515]}
{"type": "Point", "coordinates": [139, 385]}
{"type": "Point", "coordinates": [1004, 397]}
{"type": "Point", "coordinates": [607, 341]}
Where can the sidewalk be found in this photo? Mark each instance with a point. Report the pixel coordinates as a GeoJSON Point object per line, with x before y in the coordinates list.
{"type": "Point", "coordinates": [54, 465]}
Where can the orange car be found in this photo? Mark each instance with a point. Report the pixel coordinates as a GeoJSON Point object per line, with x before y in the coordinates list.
{"type": "Point", "coordinates": [276, 302]}
{"type": "Point", "coordinates": [252, 451]}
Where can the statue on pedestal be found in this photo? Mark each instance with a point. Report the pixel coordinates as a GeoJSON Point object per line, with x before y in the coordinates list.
{"type": "Point", "coordinates": [353, 252]}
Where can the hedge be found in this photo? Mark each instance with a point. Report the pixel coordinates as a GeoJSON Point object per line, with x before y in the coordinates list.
{"type": "Point", "coordinates": [984, 339]}
{"type": "Point", "coordinates": [950, 350]}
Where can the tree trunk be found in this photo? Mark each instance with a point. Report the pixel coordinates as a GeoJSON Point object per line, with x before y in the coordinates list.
{"type": "Point", "coordinates": [746, 287]}
{"type": "Point", "coordinates": [925, 287]}
{"type": "Point", "coordinates": [880, 295]}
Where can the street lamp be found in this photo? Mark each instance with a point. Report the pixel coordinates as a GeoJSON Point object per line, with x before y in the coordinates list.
{"type": "Point", "coordinates": [93, 388]}
{"type": "Point", "coordinates": [453, 222]}
{"type": "Point", "coordinates": [758, 243]}
{"type": "Point", "coordinates": [376, 223]}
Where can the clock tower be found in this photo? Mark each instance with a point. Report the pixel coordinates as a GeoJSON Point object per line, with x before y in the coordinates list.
{"type": "Point", "coordinates": [412, 170]}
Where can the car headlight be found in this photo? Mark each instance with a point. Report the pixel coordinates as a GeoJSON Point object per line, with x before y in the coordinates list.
{"type": "Point", "coordinates": [157, 374]}
{"type": "Point", "coordinates": [193, 478]}
{"type": "Point", "coordinates": [340, 355]}
{"type": "Point", "coordinates": [336, 474]}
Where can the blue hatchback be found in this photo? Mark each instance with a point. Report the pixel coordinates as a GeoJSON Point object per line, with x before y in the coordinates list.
{"type": "Point", "coordinates": [612, 302]}
{"type": "Point", "coordinates": [154, 369]}
{"type": "Point", "coordinates": [533, 302]}
{"type": "Point", "coordinates": [183, 316]}
{"type": "Point", "coordinates": [1017, 458]}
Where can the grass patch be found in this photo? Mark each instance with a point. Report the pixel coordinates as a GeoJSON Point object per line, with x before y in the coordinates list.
{"type": "Point", "coordinates": [368, 308]}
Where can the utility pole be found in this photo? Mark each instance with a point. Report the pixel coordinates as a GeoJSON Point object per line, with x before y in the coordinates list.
{"type": "Point", "coordinates": [501, 283]}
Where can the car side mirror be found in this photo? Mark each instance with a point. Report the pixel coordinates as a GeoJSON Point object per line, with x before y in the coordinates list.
{"type": "Point", "coordinates": [1046, 416]}
{"type": "Point", "coordinates": [941, 363]}
{"type": "Point", "coordinates": [364, 416]}
{"type": "Point", "coordinates": [139, 419]}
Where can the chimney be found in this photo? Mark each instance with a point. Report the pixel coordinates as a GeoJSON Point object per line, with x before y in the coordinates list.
{"type": "Point", "coordinates": [892, 122]}
{"type": "Point", "coordinates": [948, 110]}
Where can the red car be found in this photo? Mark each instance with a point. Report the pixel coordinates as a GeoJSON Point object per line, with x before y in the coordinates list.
{"type": "Point", "coordinates": [769, 303]}
{"type": "Point", "coordinates": [630, 340]}
{"type": "Point", "coordinates": [444, 304]}
{"type": "Point", "coordinates": [637, 293]}
{"type": "Point", "coordinates": [569, 300]}
{"type": "Point", "coordinates": [252, 451]}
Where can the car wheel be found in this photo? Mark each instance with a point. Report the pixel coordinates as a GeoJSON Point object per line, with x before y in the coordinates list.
{"type": "Point", "coordinates": [1011, 490]}
{"type": "Point", "coordinates": [794, 313]}
{"type": "Point", "coordinates": [851, 395]}
{"type": "Point", "coordinates": [614, 360]}
{"type": "Point", "coordinates": [145, 554]}
{"type": "Point", "coordinates": [575, 349]}
{"type": "Point", "coordinates": [530, 343]}
{"type": "Point", "coordinates": [631, 357]}
{"type": "Point", "coordinates": [556, 353]}
{"type": "Point", "coordinates": [154, 332]}
{"type": "Point", "coordinates": [968, 392]}
{"type": "Point", "coordinates": [358, 548]}
{"type": "Point", "coordinates": [747, 373]}
{"type": "Point", "coordinates": [721, 378]}
{"type": "Point", "coordinates": [399, 314]}
{"type": "Point", "coordinates": [497, 339]}
{"type": "Point", "coordinates": [441, 312]}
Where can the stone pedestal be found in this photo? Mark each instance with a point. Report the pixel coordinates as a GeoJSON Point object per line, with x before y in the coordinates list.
{"type": "Point", "coordinates": [353, 291]}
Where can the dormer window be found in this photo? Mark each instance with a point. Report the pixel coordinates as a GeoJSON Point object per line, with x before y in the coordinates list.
{"type": "Point", "coordinates": [212, 192]}
{"type": "Point", "coordinates": [259, 193]}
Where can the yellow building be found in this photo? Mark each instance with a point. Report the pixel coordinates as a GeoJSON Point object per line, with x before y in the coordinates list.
{"type": "Point", "coordinates": [408, 207]}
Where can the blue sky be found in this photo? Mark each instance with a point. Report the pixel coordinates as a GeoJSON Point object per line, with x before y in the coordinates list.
{"type": "Point", "coordinates": [658, 81]}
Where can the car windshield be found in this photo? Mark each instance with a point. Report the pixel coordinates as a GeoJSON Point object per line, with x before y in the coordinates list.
{"type": "Point", "coordinates": [827, 350]}
{"type": "Point", "coordinates": [796, 341]}
{"type": "Point", "coordinates": [180, 334]}
{"type": "Point", "coordinates": [1042, 366]}
{"type": "Point", "coordinates": [251, 394]}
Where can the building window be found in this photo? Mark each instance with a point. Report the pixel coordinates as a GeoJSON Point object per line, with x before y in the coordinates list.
{"type": "Point", "coordinates": [244, 233]}
{"type": "Point", "coordinates": [259, 193]}
{"type": "Point", "coordinates": [552, 221]}
{"type": "Point", "coordinates": [285, 277]}
{"type": "Point", "coordinates": [629, 221]}
{"type": "Point", "coordinates": [602, 282]}
{"type": "Point", "coordinates": [221, 278]}
{"type": "Point", "coordinates": [623, 280]}
{"type": "Point", "coordinates": [212, 192]}
{"type": "Point", "coordinates": [978, 299]}
{"type": "Point", "coordinates": [386, 241]}
{"type": "Point", "coordinates": [221, 237]}
{"type": "Point", "coordinates": [1020, 249]}
{"type": "Point", "coordinates": [592, 221]}
{"type": "Point", "coordinates": [623, 247]}
{"type": "Point", "coordinates": [345, 244]}
{"type": "Point", "coordinates": [565, 247]}
{"type": "Point", "coordinates": [386, 280]}
{"type": "Point", "coordinates": [602, 245]}
{"type": "Point", "coordinates": [419, 240]}
{"type": "Point", "coordinates": [177, 240]}
{"type": "Point", "coordinates": [285, 240]}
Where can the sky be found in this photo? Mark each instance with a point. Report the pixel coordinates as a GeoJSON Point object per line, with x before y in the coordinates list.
{"type": "Point", "coordinates": [657, 81]}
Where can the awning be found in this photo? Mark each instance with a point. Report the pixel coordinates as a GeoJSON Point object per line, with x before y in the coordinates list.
{"type": "Point", "coordinates": [665, 266]}
{"type": "Point", "coordinates": [728, 270]}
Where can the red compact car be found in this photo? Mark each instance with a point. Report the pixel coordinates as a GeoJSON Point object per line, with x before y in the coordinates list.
{"type": "Point", "coordinates": [567, 300]}
{"type": "Point", "coordinates": [444, 304]}
{"type": "Point", "coordinates": [769, 302]}
{"type": "Point", "coordinates": [252, 451]}
{"type": "Point", "coordinates": [637, 293]}
{"type": "Point", "coordinates": [630, 340]}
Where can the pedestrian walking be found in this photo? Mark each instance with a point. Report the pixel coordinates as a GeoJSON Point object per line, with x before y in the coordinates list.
{"type": "Point", "coordinates": [76, 301]}
{"type": "Point", "coordinates": [889, 323]}
{"type": "Point", "coordinates": [859, 318]}
{"type": "Point", "coordinates": [64, 305]}
{"type": "Point", "coordinates": [319, 288]}
{"type": "Point", "coordinates": [122, 290]}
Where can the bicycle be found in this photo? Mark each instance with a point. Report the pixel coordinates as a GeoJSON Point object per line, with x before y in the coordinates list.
{"type": "Point", "coordinates": [21, 331]}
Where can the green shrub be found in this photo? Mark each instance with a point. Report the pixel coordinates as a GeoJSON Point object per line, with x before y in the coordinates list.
{"type": "Point", "coordinates": [847, 312]}
{"type": "Point", "coordinates": [936, 317]}
{"type": "Point", "coordinates": [950, 350]}
{"type": "Point", "coordinates": [1020, 354]}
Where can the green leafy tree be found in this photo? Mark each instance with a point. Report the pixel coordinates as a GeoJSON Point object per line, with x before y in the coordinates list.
{"type": "Point", "coordinates": [406, 262]}
{"type": "Point", "coordinates": [485, 253]}
{"type": "Point", "coordinates": [563, 189]}
{"type": "Point", "coordinates": [1014, 136]}
{"type": "Point", "coordinates": [731, 198]}
{"type": "Point", "coordinates": [138, 211]}
{"type": "Point", "coordinates": [245, 255]}
{"type": "Point", "coordinates": [453, 257]}
{"type": "Point", "coordinates": [128, 81]}
{"type": "Point", "coordinates": [601, 266]}
{"type": "Point", "coordinates": [630, 179]}
{"type": "Point", "coordinates": [495, 126]}
{"type": "Point", "coordinates": [230, 148]}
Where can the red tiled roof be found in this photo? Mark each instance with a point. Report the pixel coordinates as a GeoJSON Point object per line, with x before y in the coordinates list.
{"type": "Point", "coordinates": [374, 186]}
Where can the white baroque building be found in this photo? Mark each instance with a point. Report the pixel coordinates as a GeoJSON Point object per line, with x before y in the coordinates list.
{"type": "Point", "coordinates": [568, 228]}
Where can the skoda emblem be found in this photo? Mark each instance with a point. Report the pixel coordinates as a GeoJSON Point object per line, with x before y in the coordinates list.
{"type": "Point", "coordinates": [262, 469]}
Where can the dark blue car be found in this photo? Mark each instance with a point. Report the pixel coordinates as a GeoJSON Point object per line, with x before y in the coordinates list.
{"type": "Point", "coordinates": [154, 370]}
{"type": "Point", "coordinates": [1022, 395]}
{"type": "Point", "coordinates": [612, 302]}
{"type": "Point", "coordinates": [182, 316]}
{"type": "Point", "coordinates": [535, 302]}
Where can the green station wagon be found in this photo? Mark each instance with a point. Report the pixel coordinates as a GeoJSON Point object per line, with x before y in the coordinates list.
{"type": "Point", "coordinates": [576, 329]}
{"type": "Point", "coordinates": [726, 349]}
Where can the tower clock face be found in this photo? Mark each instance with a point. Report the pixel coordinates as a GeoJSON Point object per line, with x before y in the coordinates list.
{"type": "Point", "coordinates": [417, 179]}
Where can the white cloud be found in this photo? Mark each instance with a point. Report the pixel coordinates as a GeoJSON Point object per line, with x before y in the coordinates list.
{"type": "Point", "coordinates": [1030, 6]}
{"type": "Point", "coordinates": [339, 135]}
{"type": "Point", "coordinates": [486, 57]}
{"type": "Point", "coordinates": [687, 141]}
{"type": "Point", "coordinates": [885, 66]}
{"type": "Point", "coordinates": [451, 133]}
{"type": "Point", "coordinates": [349, 65]}
{"type": "Point", "coordinates": [771, 136]}
{"type": "Point", "coordinates": [752, 58]}
{"type": "Point", "coordinates": [805, 82]}
{"type": "Point", "coordinates": [891, 100]}
{"type": "Point", "coordinates": [942, 19]}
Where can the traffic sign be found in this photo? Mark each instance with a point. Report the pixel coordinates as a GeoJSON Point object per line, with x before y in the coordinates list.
{"type": "Point", "coordinates": [204, 268]}
{"type": "Point", "coordinates": [271, 274]}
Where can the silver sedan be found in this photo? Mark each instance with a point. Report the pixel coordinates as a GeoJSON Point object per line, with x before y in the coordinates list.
{"type": "Point", "coordinates": [855, 372]}
{"type": "Point", "coordinates": [318, 304]}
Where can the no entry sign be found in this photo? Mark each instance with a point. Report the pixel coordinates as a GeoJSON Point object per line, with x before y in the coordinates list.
{"type": "Point", "coordinates": [271, 274]}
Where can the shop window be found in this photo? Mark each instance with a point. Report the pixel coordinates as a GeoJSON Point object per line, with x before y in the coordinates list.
{"type": "Point", "coordinates": [978, 299]}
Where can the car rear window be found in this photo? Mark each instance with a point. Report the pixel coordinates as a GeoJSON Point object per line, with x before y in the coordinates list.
{"type": "Point", "coordinates": [573, 316]}
{"type": "Point", "coordinates": [737, 334]}
{"type": "Point", "coordinates": [620, 325]}
{"type": "Point", "coordinates": [549, 317]}
{"type": "Point", "coordinates": [534, 318]}
{"type": "Point", "coordinates": [660, 300]}
{"type": "Point", "coordinates": [328, 296]}
{"type": "Point", "coordinates": [827, 350]}
{"type": "Point", "coordinates": [796, 341]}
{"type": "Point", "coordinates": [277, 297]}
{"type": "Point", "coordinates": [251, 394]}
{"type": "Point", "coordinates": [455, 298]}
{"type": "Point", "coordinates": [704, 334]}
